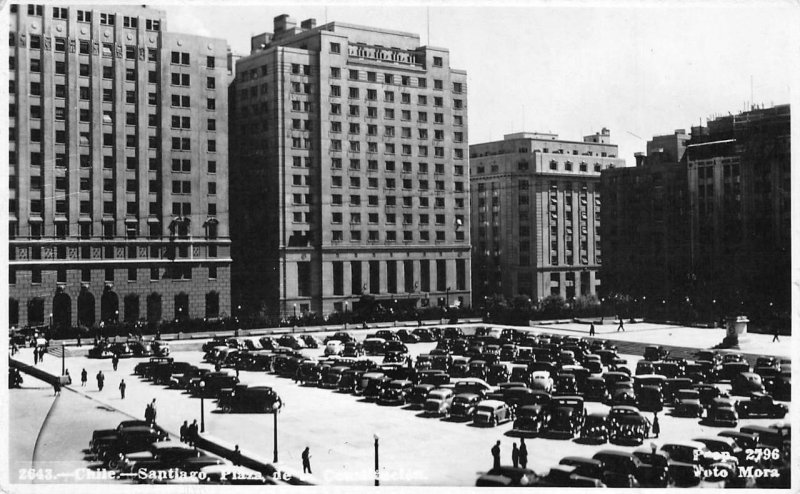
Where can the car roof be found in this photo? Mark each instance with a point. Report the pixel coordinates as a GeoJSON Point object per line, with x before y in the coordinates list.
{"type": "Point", "coordinates": [721, 439]}
{"type": "Point", "coordinates": [625, 407]}
{"type": "Point", "coordinates": [686, 444]}
{"type": "Point", "coordinates": [491, 403]}
{"type": "Point", "coordinates": [612, 452]}
{"type": "Point", "coordinates": [580, 459]}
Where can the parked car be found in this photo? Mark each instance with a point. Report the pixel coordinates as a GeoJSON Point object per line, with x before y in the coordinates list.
{"type": "Point", "coordinates": [497, 373]}
{"type": "Point", "coordinates": [650, 399]}
{"type": "Point", "coordinates": [210, 384]}
{"type": "Point", "coordinates": [158, 456]}
{"type": "Point", "coordinates": [140, 348]}
{"type": "Point", "coordinates": [653, 353]}
{"type": "Point", "coordinates": [595, 427]}
{"type": "Point", "coordinates": [743, 440]}
{"type": "Point", "coordinates": [333, 347]}
{"type": "Point", "coordinates": [352, 349]}
{"type": "Point", "coordinates": [374, 346]}
{"type": "Point", "coordinates": [268, 343]}
{"type": "Point", "coordinates": [111, 448]}
{"type": "Point", "coordinates": [585, 467]}
{"type": "Point", "coordinates": [291, 341]}
{"type": "Point", "coordinates": [424, 334]}
{"type": "Point", "coordinates": [627, 425]}
{"type": "Point", "coordinates": [541, 380]}
{"type": "Point", "coordinates": [644, 367]}
{"type": "Point", "coordinates": [745, 383]}
{"type": "Point", "coordinates": [688, 404]}
{"type": "Point", "coordinates": [407, 337]}
{"type": "Point", "coordinates": [396, 346]}
{"type": "Point", "coordinates": [566, 415]}
{"type": "Point", "coordinates": [508, 476]}
{"type": "Point", "coordinates": [566, 384]}
{"type": "Point", "coordinates": [492, 413]}
{"type": "Point", "coordinates": [395, 392]}
{"type": "Point", "coordinates": [334, 376]}
{"type": "Point", "coordinates": [761, 405]}
{"type": "Point", "coordinates": [244, 398]}
{"type": "Point", "coordinates": [473, 385]}
{"type": "Point", "coordinates": [620, 468]}
{"type": "Point", "coordinates": [654, 471]}
{"type": "Point", "coordinates": [14, 378]}
{"type": "Point", "coordinates": [622, 393]}
{"type": "Point", "coordinates": [439, 402]}
{"type": "Point", "coordinates": [730, 370]}
{"type": "Point", "coordinates": [341, 336]}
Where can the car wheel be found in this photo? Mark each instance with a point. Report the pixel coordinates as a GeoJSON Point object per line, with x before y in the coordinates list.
{"type": "Point", "coordinates": [113, 463]}
{"type": "Point", "coordinates": [226, 409]}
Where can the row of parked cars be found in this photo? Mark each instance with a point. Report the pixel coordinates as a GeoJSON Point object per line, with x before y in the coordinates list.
{"type": "Point", "coordinates": [726, 458]}
{"type": "Point", "coordinates": [143, 452]}
{"type": "Point", "coordinates": [130, 348]}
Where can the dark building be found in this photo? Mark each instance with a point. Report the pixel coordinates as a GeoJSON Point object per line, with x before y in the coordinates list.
{"type": "Point", "coordinates": [349, 171]}
{"type": "Point", "coordinates": [118, 172]}
{"type": "Point", "coordinates": [740, 192]}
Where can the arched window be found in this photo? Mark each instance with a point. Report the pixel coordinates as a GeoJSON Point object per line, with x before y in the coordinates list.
{"type": "Point", "coordinates": [36, 311]}
{"type": "Point", "coordinates": [86, 308]}
{"type": "Point", "coordinates": [131, 307]}
{"type": "Point", "coordinates": [13, 311]}
{"type": "Point", "coordinates": [154, 307]}
{"type": "Point", "coordinates": [212, 304]}
{"type": "Point", "coordinates": [109, 306]}
{"type": "Point", "coordinates": [181, 306]}
{"type": "Point", "coordinates": [62, 310]}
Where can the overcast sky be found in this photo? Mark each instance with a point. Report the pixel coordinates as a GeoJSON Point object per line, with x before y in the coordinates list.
{"type": "Point", "coordinates": [640, 69]}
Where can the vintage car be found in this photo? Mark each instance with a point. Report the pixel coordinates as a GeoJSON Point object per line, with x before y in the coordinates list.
{"type": "Point", "coordinates": [654, 353]}
{"type": "Point", "coordinates": [393, 357]}
{"type": "Point", "coordinates": [650, 399]}
{"type": "Point", "coordinates": [746, 383]}
{"type": "Point", "coordinates": [541, 380]}
{"type": "Point", "coordinates": [596, 390]}
{"type": "Point", "coordinates": [611, 378]}
{"type": "Point", "coordinates": [309, 372]}
{"type": "Point", "coordinates": [729, 370]}
{"type": "Point", "coordinates": [688, 404]}
{"type": "Point", "coordinates": [497, 373]}
{"type": "Point", "coordinates": [477, 368]}
{"type": "Point", "coordinates": [566, 415]}
{"type": "Point", "coordinates": [109, 449]}
{"type": "Point", "coordinates": [593, 364]}
{"type": "Point", "coordinates": [566, 384]}
{"type": "Point", "coordinates": [438, 402]}
{"type": "Point", "coordinates": [726, 448]}
{"type": "Point", "coordinates": [333, 347]}
{"type": "Point", "coordinates": [291, 341]}
{"type": "Point", "coordinates": [654, 471]}
{"type": "Point", "coordinates": [508, 352]}
{"type": "Point", "coordinates": [143, 369]}
{"type": "Point", "coordinates": [620, 468]}
{"type": "Point", "coordinates": [348, 380]}
{"type": "Point", "coordinates": [508, 476]}
{"type": "Point", "coordinates": [100, 350]}
{"type": "Point", "coordinates": [585, 467]}
{"type": "Point", "coordinates": [162, 373]}
{"type": "Point", "coordinates": [491, 413]}
{"type": "Point", "coordinates": [407, 336]}
{"type": "Point", "coordinates": [419, 393]}
{"type": "Point", "coordinates": [667, 369]}
{"type": "Point", "coordinates": [463, 406]}
{"type": "Point", "coordinates": [458, 368]}
{"type": "Point", "coordinates": [158, 456]}
{"type": "Point", "coordinates": [333, 377]}
{"type": "Point", "coordinates": [761, 405]}
{"type": "Point", "coordinates": [311, 341]}
{"type": "Point", "coordinates": [244, 398]}
{"type": "Point", "coordinates": [387, 335]}
{"type": "Point", "coordinates": [396, 346]}
{"type": "Point", "coordinates": [395, 392]}
{"type": "Point", "coordinates": [709, 392]}
{"type": "Point", "coordinates": [743, 440]}
{"type": "Point", "coordinates": [424, 334]}
{"type": "Point", "coordinates": [595, 427]}
{"type": "Point", "coordinates": [268, 343]}
{"type": "Point", "coordinates": [140, 348]}
{"type": "Point", "coordinates": [374, 346]}
{"type": "Point", "coordinates": [627, 425]}
{"type": "Point", "coordinates": [211, 383]}
{"type": "Point", "coordinates": [473, 385]}
{"type": "Point", "coordinates": [622, 393]}
{"type": "Point", "coordinates": [782, 387]}
{"type": "Point", "coordinates": [732, 357]}
{"type": "Point", "coordinates": [352, 349]}
{"type": "Point", "coordinates": [341, 336]}
{"type": "Point", "coordinates": [673, 385]}
{"type": "Point", "coordinates": [215, 341]}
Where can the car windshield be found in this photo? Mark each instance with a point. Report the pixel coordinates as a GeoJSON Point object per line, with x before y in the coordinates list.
{"type": "Point", "coordinates": [486, 408]}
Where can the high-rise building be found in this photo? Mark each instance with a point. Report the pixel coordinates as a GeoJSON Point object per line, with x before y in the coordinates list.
{"type": "Point", "coordinates": [536, 214]}
{"type": "Point", "coordinates": [645, 227]}
{"type": "Point", "coordinates": [740, 193]}
{"type": "Point", "coordinates": [349, 171]}
{"type": "Point", "coordinates": [118, 168]}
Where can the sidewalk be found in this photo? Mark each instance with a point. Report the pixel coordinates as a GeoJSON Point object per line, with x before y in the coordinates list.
{"type": "Point", "coordinates": [661, 334]}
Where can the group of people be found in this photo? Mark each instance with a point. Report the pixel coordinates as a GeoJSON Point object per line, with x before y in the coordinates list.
{"type": "Point", "coordinates": [38, 354]}
{"type": "Point", "coordinates": [189, 433]}
{"type": "Point", "coordinates": [519, 455]}
{"type": "Point", "coordinates": [150, 412]}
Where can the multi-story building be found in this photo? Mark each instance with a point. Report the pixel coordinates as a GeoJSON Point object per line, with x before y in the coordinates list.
{"type": "Point", "coordinates": [118, 168]}
{"type": "Point", "coordinates": [645, 227]}
{"type": "Point", "coordinates": [349, 169]}
{"type": "Point", "coordinates": [739, 188]}
{"type": "Point", "coordinates": [536, 214]}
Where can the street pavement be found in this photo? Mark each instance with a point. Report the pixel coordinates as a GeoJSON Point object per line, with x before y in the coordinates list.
{"type": "Point", "coordinates": [339, 429]}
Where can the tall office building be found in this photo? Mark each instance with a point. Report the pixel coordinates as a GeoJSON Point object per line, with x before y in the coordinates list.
{"type": "Point", "coordinates": [740, 192]}
{"type": "Point", "coordinates": [645, 229]}
{"type": "Point", "coordinates": [349, 171]}
{"type": "Point", "coordinates": [118, 168]}
{"type": "Point", "coordinates": [536, 214]}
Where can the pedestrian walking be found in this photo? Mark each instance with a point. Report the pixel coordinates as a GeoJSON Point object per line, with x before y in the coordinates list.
{"type": "Point", "coordinates": [152, 406]}
{"type": "Point", "coordinates": [621, 324]}
{"type": "Point", "coordinates": [775, 333]}
{"type": "Point", "coordinates": [237, 370]}
{"type": "Point", "coordinates": [114, 361]}
{"type": "Point", "coordinates": [656, 427]}
{"type": "Point", "coordinates": [41, 353]}
{"type": "Point", "coordinates": [515, 455]}
{"type": "Point", "coordinates": [306, 460]}
{"type": "Point", "coordinates": [496, 456]}
{"type": "Point", "coordinates": [35, 356]}
{"type": "Point", "coordinates": [84, 377]}
{"type": "Point", "coordinates": [67, 377]}
{"type": "Point", "coordinates": [122, 387]}
{"type": "Point", "coordinates": [100, 380]}
{"type": "Point", "coordinates": [185, 431]}
{"type": "Point", "coordinates": [236, 457]}
{"type": "Point", "coordinates": [591, 329]}
{"type": "Point", "coordinates": [14, 349]}
{"type": "Point", "coordinates": [523, 453]}
{"type": "Point", "coordinates": [79, 339]}
{"type": "Point", "coordinates": [193, 433]}
{"type": "Point", "coordinates": [57, 387]}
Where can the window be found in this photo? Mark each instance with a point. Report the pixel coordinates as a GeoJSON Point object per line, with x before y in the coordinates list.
{"type": "Point", "coordinates": [336, 48]}
{"type": "Point", "coordinates": [211, 104]}
{"type": "Point", "coordinates": [212, 188]}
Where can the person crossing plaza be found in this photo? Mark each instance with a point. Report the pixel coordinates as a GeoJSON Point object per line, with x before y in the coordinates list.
{"type": "Point", "coordinates": [100, 380]}
{"type": "Point", "coordinates": [122, 387]}
{"type": "Point", "coordinates": [84, 378]}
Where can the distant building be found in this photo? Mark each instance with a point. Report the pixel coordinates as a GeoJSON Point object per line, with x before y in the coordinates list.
{"type": "Point", "coordinates": [349, 171]}
{"type": "Point", "coordinates": [740, 192]}
{"type": "Point", "coordinates": [118, 190]}
{"type": "Point", "coordinates": [645, 229]}
{"type": "Point", "coordinates": [536, 214]}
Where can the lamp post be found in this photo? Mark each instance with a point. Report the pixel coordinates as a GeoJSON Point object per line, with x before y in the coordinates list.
{"type": "Point", "coordinates": [202, 406]}
{"type": "Point", "coordinates": [51, 322]}
{"type": "Point", "coordinates": [63, 363]}
{"type": "Point", "coordinates": [377, 464]}
{"type": "Point", "coordinates": [275, 435]}
{"type": "Point", "coordinates": [294, 306]}
{"type": "Point", "coordinates": [116, 316]}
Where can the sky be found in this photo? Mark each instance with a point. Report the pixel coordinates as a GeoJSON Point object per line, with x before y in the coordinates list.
{"type": "Point", "coordinates": [638, 68]}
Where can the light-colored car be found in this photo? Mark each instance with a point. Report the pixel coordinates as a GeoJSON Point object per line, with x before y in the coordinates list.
{"type": "Point", "coordinates": [492, 413]}
{"type": "Point", "coordinates": [542, 380]}
{"type": "Point", "coordinates": [334, 347]}
{"type": "Point", "coordinates": [439, 402]}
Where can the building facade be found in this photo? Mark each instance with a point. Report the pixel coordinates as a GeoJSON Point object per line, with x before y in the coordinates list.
{"type": "Point", "coordinates": [349, 168]}
{"type": "Point", "coordinates": [645, 230]}
{"type": "Point", "coordinates": [536, 214]}
{"type": "Point", "coordinates": [739, 184]}
{"type": "Point", "coordinates": [118, 195]}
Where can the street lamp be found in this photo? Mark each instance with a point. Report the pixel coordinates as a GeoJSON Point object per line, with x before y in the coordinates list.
{"type": "Point", "coordinates": [63, 363]}
{"type": "Point", "coordinates": [295, 310]}
{"type": "Point", "coordinates": [116, 316]}
{"type": "Point", "coordinates": [377, 469]}
{"type": "Point", "coordinates": [51, 321]}
{"type": "Point", "coordinates": [275, 434]}
{"type": "Point", "coordinates": [202, 406]}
